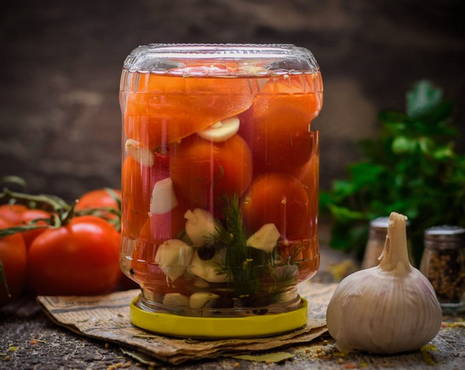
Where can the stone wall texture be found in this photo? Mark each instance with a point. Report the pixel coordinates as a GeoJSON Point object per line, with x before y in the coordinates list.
{"type": "Point", "coordinates": [61, 63]}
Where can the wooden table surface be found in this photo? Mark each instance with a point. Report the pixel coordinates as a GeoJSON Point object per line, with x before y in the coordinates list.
{"type": "Point", "coordinates": [29, 340]}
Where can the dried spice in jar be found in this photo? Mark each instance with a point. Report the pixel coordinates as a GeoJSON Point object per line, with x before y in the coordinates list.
{"type": "Point", "coordinates": [443, 263]}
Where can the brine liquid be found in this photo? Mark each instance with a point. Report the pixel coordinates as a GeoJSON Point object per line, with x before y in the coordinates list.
{"type": "Point", "coordinates": [220, 191]}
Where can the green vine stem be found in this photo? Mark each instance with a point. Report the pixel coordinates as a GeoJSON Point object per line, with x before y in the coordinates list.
{"type": "Point", "coordinates": [41, 201]}
{"type": "Point", "coordinates": [61, 211]}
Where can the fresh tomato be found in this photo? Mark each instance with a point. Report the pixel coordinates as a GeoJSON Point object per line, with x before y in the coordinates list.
{"type": "Point", "coordinates": [14, 261]}
{"type": "Point", "coordinates": [80, 258]}
{"type": "Point", "coordinates": [166, 109]}
{"type": "Point", "coordinates": [12, 213]}
{"type": "Point", "coordinates": [28, 216]}
{"type": "Point", "coordinates": [277, 125]}
{"type": "Point", "coordinates": [203, 172]}
{"type": "Point", "coordinates": [279, 199]}
{"type": "Point", "coordinates": [100, 198]}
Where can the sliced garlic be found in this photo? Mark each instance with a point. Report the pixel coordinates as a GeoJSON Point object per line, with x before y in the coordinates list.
{"type": "Point", "coordinates": [163, 198]}
{"type": "Point", "coordinates": [200, 299]}
{"type": "Point", "coordinates": [200, 226]}
{"type": "Point", "coordinates": [265, 238]}
{"type": "Point", "coordinates": [142, 155]}
{"type": "Point", "coordinates": [221, 130]}
{"type": "Point", "coordinates": [173, 257]}
{"type": "Point", "coordinates": [209, 270]}
{"type": "Point", "coordinates": [175, 300]}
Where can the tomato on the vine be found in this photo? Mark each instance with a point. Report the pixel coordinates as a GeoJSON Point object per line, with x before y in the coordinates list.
{"type": "Point", "coordinates": [30, 215]}
{"type": "Point", "coordinates": [99, 198]}
{"type": "Point", "coordinates": [12, 213]}
{"type": "Point", "coordinates": [79, 258]}
{"type": "Point", "coordinates": [14, 261]}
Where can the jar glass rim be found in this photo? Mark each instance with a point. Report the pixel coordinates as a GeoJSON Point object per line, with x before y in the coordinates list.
{"type": "Point", "coordinates": [248, 59]}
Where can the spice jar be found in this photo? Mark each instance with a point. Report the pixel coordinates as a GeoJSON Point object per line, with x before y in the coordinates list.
{"type": "Point", "coordinates": [219, 186]}
{"type": "Point", "coordinates": [375, 243]}
{"type": "Point", "coordinates": [443, 263]}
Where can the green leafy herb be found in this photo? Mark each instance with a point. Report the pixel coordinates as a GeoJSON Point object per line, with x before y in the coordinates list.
{"type": "Point", "coordinates": [255, 275]}
{"type": "Point", "coordinates": [239, 263]}
{"type": "Point", "coordinates": [412, 168]}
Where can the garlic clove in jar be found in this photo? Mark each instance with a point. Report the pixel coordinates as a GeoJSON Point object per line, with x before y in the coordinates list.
{"type": "Point", "coordinates": [201, 299]}
{"type": "Point", "coordinates": [390, 308]}
{"type": "Point", "coordinates": [175, 300]}
{"type": "Point", "coordinates": [173, 256]}
{"type": "Point", "coordinates": [265, 238]}
{"type": "Point", "coordinates": [200, 225]}
{"type": "Point", "coordinates": [163, 198]}
{"type": "Point", "coordinates": [221, 130]}
{"type": "Point", "coordinates": [209, 270]}
{"type": "Point", "coordinates": [142, 155]}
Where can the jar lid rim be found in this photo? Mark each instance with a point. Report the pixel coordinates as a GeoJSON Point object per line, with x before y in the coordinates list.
{"type": "Point", "coordinates": [251, 59]}
{"type": "Point", "coordinates": [445, 230]}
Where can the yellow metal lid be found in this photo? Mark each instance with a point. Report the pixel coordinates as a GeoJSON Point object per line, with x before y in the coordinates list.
{"type": "Point", "coordinates": [218, 327]}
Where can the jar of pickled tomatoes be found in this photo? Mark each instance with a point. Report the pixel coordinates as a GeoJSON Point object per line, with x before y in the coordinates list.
{"type": "Point", "coordinates": [220, 186]}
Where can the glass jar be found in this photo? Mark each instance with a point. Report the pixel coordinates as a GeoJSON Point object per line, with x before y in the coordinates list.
{"type": "Point", "coordinates": [375, 243]}
{"type": "Point", "coordinates": [219, 179]}
{"type": "Point", "coordinates": [443, 263]}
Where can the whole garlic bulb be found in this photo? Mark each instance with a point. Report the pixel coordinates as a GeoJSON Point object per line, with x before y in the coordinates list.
{"type": "Point", "coordinates": [389, 308]}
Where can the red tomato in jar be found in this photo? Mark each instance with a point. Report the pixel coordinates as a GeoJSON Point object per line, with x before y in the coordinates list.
{"type": "Point", "coordinates": [279, 199]}
{"type": "Point", "coordinates": [277, 126]}
{"type": "Point", "coordinates": [146, 272]}
{"type": "Point", "coordinates": [31, 215]}
{"type": "Point", "coordinates": [166, 109]}
{"type": "Point", "coordinates": [137, 185]}
{"type": "Point", "coordinates": [14, 261]}
{"type": "Point", "coordinates": [305, 253]}
{"type": "Point", "coordinates": [80, 258]}
{"type": "Point", "coordinates": [203, 172]}
{"type": "Point", "coordinates": [12, 213]}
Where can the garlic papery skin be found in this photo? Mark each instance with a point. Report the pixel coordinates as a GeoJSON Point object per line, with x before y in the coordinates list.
{"type": "Point", "coordinates": [390, 308]}
{"type": "Point", "coordinates": [163, 198]}
{"type": "Point", "coordinates": [173, 256]}
{"type": "Point", "coordinates": [200, 225]}
{"type": "Point", "coordinates": [142, 155]}
{"type": "Point", "coordinates": [221, 130]}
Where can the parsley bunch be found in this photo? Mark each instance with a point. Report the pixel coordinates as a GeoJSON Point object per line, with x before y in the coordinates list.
{"type": "Point", "coordinates": [411, 168]}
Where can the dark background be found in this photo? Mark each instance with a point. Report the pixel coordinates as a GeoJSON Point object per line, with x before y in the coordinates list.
{"type": "Point", "coordinates": [61, 63]}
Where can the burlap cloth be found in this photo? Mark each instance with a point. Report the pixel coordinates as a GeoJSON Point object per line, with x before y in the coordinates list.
{"type": "Point", "coordinates": [107, 318]}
